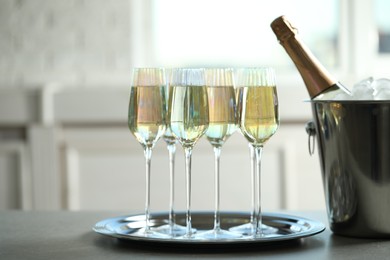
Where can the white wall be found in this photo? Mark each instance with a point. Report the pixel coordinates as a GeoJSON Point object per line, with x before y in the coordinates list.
{"type": "Point", "coordinates": [83, 42]}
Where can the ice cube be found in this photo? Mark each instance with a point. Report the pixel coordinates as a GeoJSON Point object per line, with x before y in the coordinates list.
{"type": "Point", "coordinates": [380, 84]}
{"type": "Point", "coordinates": [363, 90]}
{"type": "Point", "coordinates": [368, 81]}
{"type": "Point", "coordinates": [342, 96]}
{"type": "Point", "coordinates": [383, 94]}
{"type": "Point", "coordinates": [368, 89]}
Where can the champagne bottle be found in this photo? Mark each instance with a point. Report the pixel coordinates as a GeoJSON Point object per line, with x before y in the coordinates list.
{"type": "Point", "coordinates": [319, 82]}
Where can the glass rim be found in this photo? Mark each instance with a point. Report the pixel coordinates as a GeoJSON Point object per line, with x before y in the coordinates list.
{"type": "Point", "coordinates": [255, 77]}
{"type": "Point", "coordinates": [148, 68]}
{"type": "Point", "coordinates": [148, 77]}
{"type": "Point", "coordinates": [255, 68]}
{"type": "Point", "coordinates": [185, 68]}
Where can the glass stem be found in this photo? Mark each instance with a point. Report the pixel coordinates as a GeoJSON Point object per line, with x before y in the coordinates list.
{"type": "Point", "coordinates": [188, 153]}
{"type": "Point", "coordinates": [172, 151]}
{"type": "Point", "coordinates": [148, 157]}
{"type": "Point", "coordinates": [258, 151]}
{"type": "Point", "coordinates": [217, 219]}
{"type": "Point", "coordinates": [253, 188]}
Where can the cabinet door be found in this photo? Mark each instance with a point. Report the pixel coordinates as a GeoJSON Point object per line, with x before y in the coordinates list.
{"type": "Point", "coordinates": [15, 179]}
{"type": "Point", "coordinates": [9, 180]}
{"type": "Point", "coordinates": [104, 169]}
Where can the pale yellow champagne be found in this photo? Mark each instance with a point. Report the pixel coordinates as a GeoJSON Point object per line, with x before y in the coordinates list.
{"type": "Point", "coordinates": [147, 112]}
{"type": "Point", "coordinates": [222, 114]}
{"type": "Point", "coordinates": [260, 116]}
{"type": "Point", "coordinates": [168, 136]}
{"type": "Point", "coordinates": [238, 92]}
{"type": "Point", "coordinates": [189, 113]}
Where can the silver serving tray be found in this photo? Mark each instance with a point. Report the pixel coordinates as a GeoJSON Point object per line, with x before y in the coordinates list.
{"type": "Point", "coordinates": [287, 227]}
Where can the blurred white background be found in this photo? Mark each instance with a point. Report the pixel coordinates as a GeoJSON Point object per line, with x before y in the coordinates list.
{"type": "Point", "coordinates": [65, 68]}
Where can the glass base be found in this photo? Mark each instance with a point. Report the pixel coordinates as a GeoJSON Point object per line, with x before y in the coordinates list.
{"type": "Point", "coordinates": [150, 233]}
{"type": "Point", "coordinates": [218, 234]}
{"type": "Point", "coordinates": [247, 230]}
{"type": "Point", "coordinates": [172, 230]}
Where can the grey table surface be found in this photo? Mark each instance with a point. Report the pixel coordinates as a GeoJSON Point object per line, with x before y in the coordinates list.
{"type": "Point", "coordinates": [68, 235]}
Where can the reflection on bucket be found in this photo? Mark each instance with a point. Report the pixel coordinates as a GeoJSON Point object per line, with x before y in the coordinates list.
{"type": "Point", "coordinates": [354, 149]}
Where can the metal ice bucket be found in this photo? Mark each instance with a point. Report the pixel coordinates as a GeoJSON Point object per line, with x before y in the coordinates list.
{"type": "Point", "coordinates": [354, 148]}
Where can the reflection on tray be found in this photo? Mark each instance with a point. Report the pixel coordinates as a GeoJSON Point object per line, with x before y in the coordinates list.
{"type": "Point", "coordinates": [281, 227]}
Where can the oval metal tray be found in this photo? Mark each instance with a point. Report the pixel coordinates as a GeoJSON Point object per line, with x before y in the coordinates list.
{"type": "Point", "coordinates": [287, 227]}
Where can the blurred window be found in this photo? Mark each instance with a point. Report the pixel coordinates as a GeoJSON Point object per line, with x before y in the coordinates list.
{"type": "Point", "coordinates": [382, 19]}
{"type": "Point", "coordinates": [237, 32]}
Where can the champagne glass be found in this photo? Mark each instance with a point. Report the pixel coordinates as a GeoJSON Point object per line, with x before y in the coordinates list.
{"type": "Point", "coordinates": [246, 229]}
{"type": "Point", "coordinates": [259, 120]}
{"type": "Point", "coordinates": [222, 124]}
{"type": "Point", "coordinates": [172, 228]}
{"type": "Point", "coordinates": [189, 119]}
{"type": "Point", "coordinates": [147, 121]}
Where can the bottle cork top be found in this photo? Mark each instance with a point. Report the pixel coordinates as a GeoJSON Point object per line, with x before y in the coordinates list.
{"type": "Point", "coordinates": [283, 29]}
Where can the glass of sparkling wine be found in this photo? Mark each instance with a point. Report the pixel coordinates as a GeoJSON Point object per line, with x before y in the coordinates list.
{"type": "Point", "coordinates": [259, 120]}
{"type": "Point", "coordinates": [246, 229]}
{"type": "Point", "coordinates": [172, 228]}
{"type": "Point", "coordinates": [147, 121]}
{"type": "Point", "coordinates": [189, 119]}
{"type": "Point", "coordinates": [222, 124]}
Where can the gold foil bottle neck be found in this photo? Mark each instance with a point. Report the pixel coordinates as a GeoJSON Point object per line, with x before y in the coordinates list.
{"type": "Point", "coordinates": [316, 78]}
{"type": "Point", "coordinates": [283, 29]}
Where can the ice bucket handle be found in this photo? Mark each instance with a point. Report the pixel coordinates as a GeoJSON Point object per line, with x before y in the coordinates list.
{"type": "Point", "coordinates": [311, 131]}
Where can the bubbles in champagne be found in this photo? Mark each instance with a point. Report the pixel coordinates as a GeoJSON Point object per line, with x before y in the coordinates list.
{"type": "Point", "coordinates": [260, 115]}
